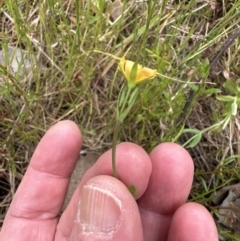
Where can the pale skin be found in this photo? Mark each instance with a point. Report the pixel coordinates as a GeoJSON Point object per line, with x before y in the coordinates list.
{"type": "Point", "coordinates": [163, 181]}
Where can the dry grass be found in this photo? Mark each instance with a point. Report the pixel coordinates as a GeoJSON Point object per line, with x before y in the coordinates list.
{"type": "Point", "coordinates": [64, 79]}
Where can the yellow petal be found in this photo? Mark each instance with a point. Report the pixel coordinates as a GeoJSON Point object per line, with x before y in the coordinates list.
{"type": "Point", "coordinates": [126, 67]}
{"type": "Point", "coordinates": [143, 73]}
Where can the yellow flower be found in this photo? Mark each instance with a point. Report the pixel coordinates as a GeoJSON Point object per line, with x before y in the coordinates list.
{"type": "Point", "coordinates": [135, 73]}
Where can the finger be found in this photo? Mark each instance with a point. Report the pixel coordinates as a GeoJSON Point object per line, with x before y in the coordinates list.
{"type": "Point", "coordinates": [168, 189]}
{"type": "Point", "coordinates": [41, 193]}
{"type": "Point", "coordinates": [106, 211]}
{"type": "Point", "coordinates": [192, 222]}
{"type": "Point", "coordinates": [134, 168]}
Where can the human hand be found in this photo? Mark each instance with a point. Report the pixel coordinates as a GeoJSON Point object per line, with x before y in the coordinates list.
{"type": "Point", "coordinates": [106, 210]}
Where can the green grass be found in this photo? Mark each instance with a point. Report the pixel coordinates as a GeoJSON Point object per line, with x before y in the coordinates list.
{"type": "Point", "coordinates": [67, 80]}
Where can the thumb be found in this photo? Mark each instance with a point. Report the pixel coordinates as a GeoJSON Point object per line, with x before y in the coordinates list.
{"type": "Point", "coordinates": [106, 211]}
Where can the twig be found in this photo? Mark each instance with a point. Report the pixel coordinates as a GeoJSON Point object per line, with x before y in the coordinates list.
{"type": "Point", "coordinates": [225, 46]}
{"type": "Point", "coordinates": [214, 61]}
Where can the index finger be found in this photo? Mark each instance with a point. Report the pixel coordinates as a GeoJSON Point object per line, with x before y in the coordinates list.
{"type": "Point", "coordinates": [39, 198]}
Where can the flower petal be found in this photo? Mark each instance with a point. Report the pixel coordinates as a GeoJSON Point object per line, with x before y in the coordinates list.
{"type": "Point", "coordinates": [142, 74]}
{"type": "Point", "coordinates": [145, 74]}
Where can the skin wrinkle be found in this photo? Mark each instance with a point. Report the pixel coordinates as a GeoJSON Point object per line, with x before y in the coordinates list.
{"type": "Point", "coordinates": [32, 215]}
{"type": "Point", "coordinates": [23, 229]}
{"type": "Point", "coordinates": [49, 174]}
{"type": "Point", "coordinates": [52, 164]}
{"type": "Point", "coordinates": [157, 224]}
{"type": "Point", "coordinates": [154, 214]}
{"type": "Point", "coordinates": [21, 206]}
{"type": "Point", "coordinates": [64, 232]}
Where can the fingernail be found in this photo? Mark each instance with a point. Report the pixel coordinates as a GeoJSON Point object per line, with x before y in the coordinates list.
{"type": "Point", "coordinates": [99, 210]}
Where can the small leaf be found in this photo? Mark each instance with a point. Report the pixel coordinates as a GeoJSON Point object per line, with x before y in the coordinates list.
{"type": "Point", "coordinates": [212, 91]}
{"type": "Point", "coordinates": [122, 96]}
{"type": "Point", "coordinates": [194, 131]}
{"type": "Point", "coordinates": [195, 140]}
{"type": "Point", "coordinates": [193, 86]}
{"type": "Point", "coordinates": [132, 189]}
{"type": "Point", "coordinates": [225, 98]}
{"type": "Point", "coordinates": [234, 108]}
{"type": "Point", "coordinates": [231, 86]}
{"type": "Point", "coordinates": [203, 68]}
{"type": "Point", "coordinates": [133, 74]}
{"type": "Point", "coordinates": [133, 95]}
{"type": "Point", "coordinates": [204, 184]}
{"type": "Point", "coordinates": [227, 120]}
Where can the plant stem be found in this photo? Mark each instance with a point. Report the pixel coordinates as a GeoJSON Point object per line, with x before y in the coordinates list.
{"type": "Point", "coordinates": [115, 135]}
{"type": "Point", "coordinates": [120, 117]}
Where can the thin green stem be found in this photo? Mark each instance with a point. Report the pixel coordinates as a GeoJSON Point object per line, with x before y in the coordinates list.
{"type": "Point", "coordinates": [122, 111]}
{"type": "Point", "coordinates": [115, 135]}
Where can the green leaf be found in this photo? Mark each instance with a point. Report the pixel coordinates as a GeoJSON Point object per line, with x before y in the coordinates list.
{"type": "Point", "coordinates": [227, 120]}
{"type": "Point", "coordinates": [133, 74]}
{"type": "Point", "coordinates": [203, 68]}
{"type": "Point", "coordinates": [231, 86]}
{"type": "Point", "coordinates": [204, 184]}
{"type": "Point", "coordinates": [193, 86]}
{"type": "Point", "coordinates": [234, 108]}
{"type": "Point", "coordinates": [194, 131]}
{"type": "Point", "coordinates": [212, 91]}
{"type": "Point", "coordinates": [225, 98]}
{"type": "Point", "coordinates": [195, 140]}
{"type": "Point", "coordinates": [132, 189]}
{"type": "Point", "coordinates": [133, 95]}
{"type": "Point", "coordinates": [122, 96]}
